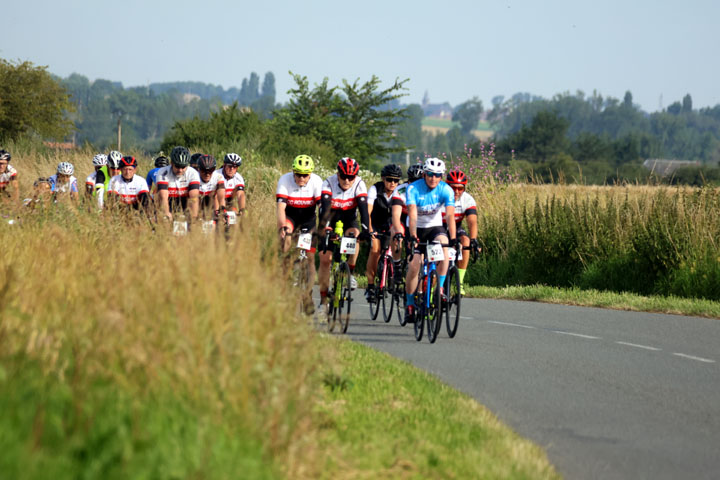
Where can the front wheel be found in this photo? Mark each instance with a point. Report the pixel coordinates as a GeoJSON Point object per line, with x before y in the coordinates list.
{"type": "Point", "coordinates": [434, 307]}
{"type": "Point", "coordinates": [387, 293]}
{"type": "Point", "coordinates": [420, 312]}
{"type": "Point", "coordinates": [346, 299]}
{"type": "Point", "coordinates": [375, 304]}
{"type": "Point", "coordinates": [452, 307]}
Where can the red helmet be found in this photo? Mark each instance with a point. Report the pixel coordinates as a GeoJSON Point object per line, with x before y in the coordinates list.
{"type": "Point", "coordinates": [456, 177]}
{"type": "Point", "coordinates": [348, 166]}
{"type": "Point", "coordinates": [128, 161]}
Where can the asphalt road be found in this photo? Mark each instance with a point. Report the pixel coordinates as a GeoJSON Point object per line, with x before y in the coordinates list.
{"type": "Point", "coordinates": [608, 394]}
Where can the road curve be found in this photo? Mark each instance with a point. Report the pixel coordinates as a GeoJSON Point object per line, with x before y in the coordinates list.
{"type": "Point", "coordinates": [609, 394]}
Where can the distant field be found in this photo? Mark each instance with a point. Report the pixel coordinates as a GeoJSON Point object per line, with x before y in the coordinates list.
{"type": "Point", "coordinates": [436, 125]}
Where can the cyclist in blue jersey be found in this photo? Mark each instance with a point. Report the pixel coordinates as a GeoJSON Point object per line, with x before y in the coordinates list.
{"type": "Point", "coordinates": [426, 200]}
{"type": "Point", "coordinates": [160, 162]}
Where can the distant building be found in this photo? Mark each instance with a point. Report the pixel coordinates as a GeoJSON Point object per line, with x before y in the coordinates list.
{"type": "Point", "coordinates": [664, 167]}
{"type": "Point", "coordinates": [436, 110]}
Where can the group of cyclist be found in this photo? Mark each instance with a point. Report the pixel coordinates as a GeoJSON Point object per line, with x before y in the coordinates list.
{"type": "Point", "coordinates": [390, 211]}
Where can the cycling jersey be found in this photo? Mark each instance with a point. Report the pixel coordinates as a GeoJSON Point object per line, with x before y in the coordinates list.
{"type": "Point", "coordinates": [151, 176]}
{"type": "Point", "coordinates": [102, 178]}
{"type": "Point", "coordinates": [381, 215]}
{"type": "Point", "coordinates": [216, 181]}
{"type": "Point", "coordinates": [9, 174]}
{"type": "Point", "coordinates": [70, 186]}
{"type": "Point", "coordinates": [399, 196]}
{"type": "Point", "coordinates": [464, 206]}
{"type": "Point", "coordinates": [301, 201]}
{"type": "Point", "coordinates": [343, 204]}
{"type": "Point", "coordinates": [178, 186]}
{"type": "Point", "coordinates": [90, 180]}
{"type": "Point", "coordinates": [236, 182]}
{"type": "Point", "coordinates": [130, 191]}
{"type": "Point", "coordinates": [430, 202]}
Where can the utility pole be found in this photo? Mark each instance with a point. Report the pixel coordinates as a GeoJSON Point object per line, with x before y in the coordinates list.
{"type": "Point", "coordinates": [407, 157]}
{"type": "Point", "coordinates": [119, 132]}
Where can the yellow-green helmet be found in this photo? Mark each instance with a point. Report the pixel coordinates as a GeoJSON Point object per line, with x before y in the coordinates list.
{"type": "Point", "coordinates": [303, 164]}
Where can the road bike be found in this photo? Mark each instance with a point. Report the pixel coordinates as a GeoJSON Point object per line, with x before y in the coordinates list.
{"type": "Point", "coordinates": [384, 286]}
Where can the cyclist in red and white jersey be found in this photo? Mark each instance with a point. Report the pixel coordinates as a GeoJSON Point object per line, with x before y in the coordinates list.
{"type": "Point", "coordinates": [178, 186]}
{"type": "Point", "coordinates": [99, 161]}
{"type": "Point", "coordinates": [298, 194]}
{"type": "Point", "coordinates": [465, 208]}
{"type": "Point", "coordinates": [212, 189]}
{"type": "Point", "coordinates": [129, 189]}
{"type": "Point", "coordinates": [8, 178]}
{"type": "Point", "coordinates": [234, 183]}
{"type": "Point", "coordinates": [397, 203]}
{"type": "Point", "coordinates": [343, 194]}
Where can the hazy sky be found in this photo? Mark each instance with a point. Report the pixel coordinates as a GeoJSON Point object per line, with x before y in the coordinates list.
{"type": "Point", "coordinates": [454, 49]}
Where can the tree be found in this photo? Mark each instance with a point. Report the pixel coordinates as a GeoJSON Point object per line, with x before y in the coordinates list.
{"type": "Point", "coordinates": [268, 86]}
{"type": "Point", "coordinates": [687, 104]}
{"type": "Point", "coordinates": [468, 114]}
{"type": "Point", "coordinates": [628, 100]}
{"type": "Point", "coordinates": [32, 102]}
{"type": "Point", "coordinates": [353, 122]}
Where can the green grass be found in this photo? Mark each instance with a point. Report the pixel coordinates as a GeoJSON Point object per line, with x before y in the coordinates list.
{"type": "Point", "coordinates": [391, 420]}
{"type": "Point", "coordinates": [447, 123]}
{"type": "Point", "coordinates": [596, 298]}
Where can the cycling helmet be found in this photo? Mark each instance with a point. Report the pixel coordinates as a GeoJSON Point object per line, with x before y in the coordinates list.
{"type": "Point", "coordinates": [434, 165]}
{"type": "Point", "coordinates": [65, 168]}
{"type": "Point", "coordinates": [456, 177]}
{"type": "Point", "coordinates": [303, 164]}
{"type": "Point", "coordinates": [180, 157]}
{"type": "Point", "coordinates": [5, 155]}
{"type": "Point", "coordinates": [194, 159]}
{"type": "Point", "coordinates": [348, 166]}
{"type": "Point", "coordinates": [207, 162]}
{"type": "Point", "coordinates": [162, 161]}
{"type": "Point", "coordinates": [114, 158]}
{"type": "Point", "coordinates": [100, 160]}
{"type": "Point", "coordinates": [415, 172]}
{"type": "Point", "coordinates": [392, 171]}
{"type": "Point", "coordinates": [233, 159]}
{"type": "Point", "coordinates": [128, 161]}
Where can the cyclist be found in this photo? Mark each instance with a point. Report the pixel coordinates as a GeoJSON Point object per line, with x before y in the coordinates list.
{"type": "Point", "coordinates": [63, 182]}
{"type": "Point", "coordinates": [298, 193]}
{"type": "Point", "coordinates": [425, 201]}
{"type": "Point", "coordinates": [379, 209]}
{"type": "Point", "coordinates": [212, 189]}
{"type": "Point", "coordinates": [8, 177]}
{"type": "Point", "coordinates": [128, 188]}
{"type": "Point", "coordinates": [234, 183]}
{"type": "Point", "coordinates": [343, 194]}
{"type": "Point", "coordinates": [42, 190]}
{"type": "Point", "coordinates": [105, 173]}
{"type": "Point", "coordinates": [178, 185]}
{"type": "Point", "coordinates": [465, 207]}
{"type": "Point", "coordinates": [160, 162]}
{"type": "Point", "coordinates": [99, 161]}
{"type": "Point", "coordinates": [399, 209]}
{"type": "Point", "coordinates": [195, 159]}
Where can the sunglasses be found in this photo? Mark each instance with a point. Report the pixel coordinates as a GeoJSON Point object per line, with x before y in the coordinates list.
{"type": "Point", "coordinates": [431, 174]}
{"type": "Point", "coordinates": [458, 187]}
{"type": "Point", "coordinates": [392, 180]}
{"type": "Point", "coordinates": [301, 175]}
{"type": "Point", "coordinates": [206, 172]}
{"type": "Point", "coordinates": [346, 177]}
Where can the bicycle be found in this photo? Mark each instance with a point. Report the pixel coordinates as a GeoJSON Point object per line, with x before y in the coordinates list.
{"type": "Point", "coordinates": [340, 292]}
{"type": "Point", "coordinates": [300, 270]}
{"type": "Point", "coordinates": [384, 290]}
{"type": "Point", "coordinates": [451, 306]}
{"type": "Point", "coordinates": [428, 300]}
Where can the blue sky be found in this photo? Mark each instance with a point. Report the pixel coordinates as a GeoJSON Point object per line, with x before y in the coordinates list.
{"type": "Point", "coordinates": [454, 49]}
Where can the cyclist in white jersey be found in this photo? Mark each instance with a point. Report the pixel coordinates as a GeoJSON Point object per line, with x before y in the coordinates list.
{"type": "Point", "coordinates": [178, 186]}
{"type": "Point", "coordinates": [128, 189]}
{"type": "Point", "coordinates": [465, 208]}
{"type": "Point", "coordinates": [212, 191]}
{"type": "Point", "coordinates": [425, 201]}
{"type": "Point", "coordinates": [99, 161]}
{"type": "Point", "coordinates": [8, 178]}
{"type": "Point", "coordinates": [234, 183]}
{"type": "Point", "coordinates": [298, 194]}
{"type": "Point", "coordinates": [343, 194]}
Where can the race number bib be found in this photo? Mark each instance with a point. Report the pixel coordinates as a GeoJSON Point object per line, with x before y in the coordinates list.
{"type": "Point", "coordinates": [180, 228]}
{"type": "Point", "coordinates": [435, 252]}
{"type": "Point", "coordinates": [305, 241]}
{"type": "Point", "coordinates": [452, 253]}
{"type": "Point", "coordinates": [348, 245]}
{"type": "Point", "coordinates": [208, 226]}
{"type": "Point", "coordinates": [231, 217]}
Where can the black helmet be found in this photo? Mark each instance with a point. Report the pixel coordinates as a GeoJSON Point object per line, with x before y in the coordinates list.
{"type": "Point", "coordinates": [5, 155]}
{"type": "Point", "coordinates": [180, 157]}
{"type": "Point", "coordinates": [162, 161]}
{"type": "Point", "coordinates": [415, 172]}
{"type": "Point", "coordinates": [194, 159]}
{"type": "Point", "coordinates": [207, 162]}
{"type": "Point", "coordinates": [392, 171]}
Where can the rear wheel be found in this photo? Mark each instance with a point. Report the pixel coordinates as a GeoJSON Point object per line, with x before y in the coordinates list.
{"type": "Point", "coordinates": [452, 308]}
{"type": "Point", "coordinates": [434, 311]}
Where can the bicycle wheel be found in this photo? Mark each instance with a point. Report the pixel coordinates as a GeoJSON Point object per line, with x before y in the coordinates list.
{"type": "Point", "coordinates": [400, 300]}
{"type": "Point", "coordinates": [334, 298]}
{"type": "Point", "coordinates": [375, 305]}
{"type": "Point", "coordinates": [420, 310]}
{"type": "Point", "coordinates": [387, 293]}
{"type": "Point", "coordinates": [345, 298]}
{"type": "Point", "coordinates": [300, 280]}
{"type": "Point", "coordinates": [434, 310]}
{"type": "Point", "coordinates": [452, 307]}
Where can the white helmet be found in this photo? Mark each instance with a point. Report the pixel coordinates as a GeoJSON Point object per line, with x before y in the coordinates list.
{"type": "Point", "coordinates": [65, 168]}
{"type": "Point", "coordinates": [114, 158]}
{"type": "Point", "coordinates": [100, 160]}
{"type": "Point", "coordinates": [233, 159]}
{"type": "Point", "coordinates": [434, 165]}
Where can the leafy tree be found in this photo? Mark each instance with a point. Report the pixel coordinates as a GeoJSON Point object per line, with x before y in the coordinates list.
{"type": "Point", "coordinates": [31, 102]}
{"type": "Point", "coordinates": [687, 104]}
{"type": "Point", "coordinates": [268, 86]}
{"type": "Point", "coordinates": [468, 114]}
{"type": "Point", "coordinates": [544, 138]}
{"type": "Point", "coordinates": [352, 122]}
